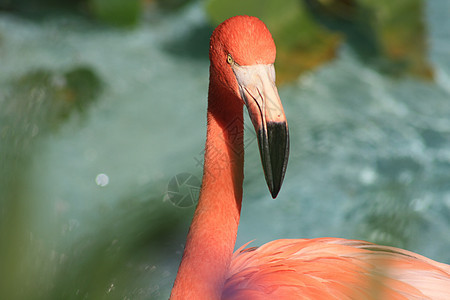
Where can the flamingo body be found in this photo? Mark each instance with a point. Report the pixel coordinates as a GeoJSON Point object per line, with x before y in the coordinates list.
{"type": "Point", "coordinates": [242, 53]}
{"type": "Point", "coordinates": [332, 268]}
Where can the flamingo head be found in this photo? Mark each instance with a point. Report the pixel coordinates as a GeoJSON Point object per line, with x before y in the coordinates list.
{"type": "Point", "coordinates": [242, 53]}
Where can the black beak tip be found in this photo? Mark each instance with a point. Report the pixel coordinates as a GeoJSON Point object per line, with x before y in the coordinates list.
{"type": "Point", "coordinates": [274, 150]}
{"type": "Point", "coordinates": [274, 191]}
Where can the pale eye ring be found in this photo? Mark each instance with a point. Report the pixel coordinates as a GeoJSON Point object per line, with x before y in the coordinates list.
{"type": "Point", "coordinates": [229, 59]}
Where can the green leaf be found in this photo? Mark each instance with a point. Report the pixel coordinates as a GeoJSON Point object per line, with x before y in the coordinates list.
{"type": "Point", "coordinates": [117, 12]}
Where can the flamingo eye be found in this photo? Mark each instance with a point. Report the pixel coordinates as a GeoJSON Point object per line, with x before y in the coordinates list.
{"type": "Point", "coordinates": [229, 59]}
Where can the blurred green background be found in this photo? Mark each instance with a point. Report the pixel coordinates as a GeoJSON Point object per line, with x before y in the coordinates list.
{"type": "Point", "coordinates": [102, 127]}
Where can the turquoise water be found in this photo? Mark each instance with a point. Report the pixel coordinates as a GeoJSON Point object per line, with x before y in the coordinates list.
{"type": "Point", "coordinates": [370, 155]}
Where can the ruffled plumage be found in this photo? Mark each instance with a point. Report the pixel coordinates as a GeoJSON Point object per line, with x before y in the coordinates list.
{"type": "Point", "coordinates": [332, 268]}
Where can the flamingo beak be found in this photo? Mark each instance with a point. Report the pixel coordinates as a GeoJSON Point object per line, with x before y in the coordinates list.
{"type": "Point", "coordinates": [259, 93]}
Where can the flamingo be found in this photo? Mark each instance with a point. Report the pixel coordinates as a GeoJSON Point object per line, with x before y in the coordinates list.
{"type": "Point", "coordinates": [242, 53]}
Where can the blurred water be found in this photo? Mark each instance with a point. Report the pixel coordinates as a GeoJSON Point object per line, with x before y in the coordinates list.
{"type": "Point", "coordinates": [370, 155]}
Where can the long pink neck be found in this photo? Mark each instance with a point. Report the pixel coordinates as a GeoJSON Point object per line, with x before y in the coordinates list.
{"type": "Point", "coordinates": [212, 235]}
